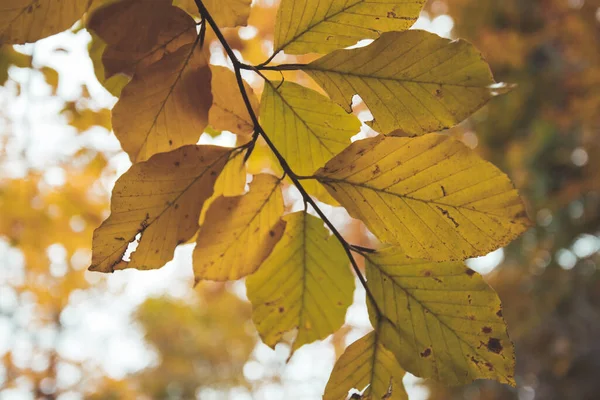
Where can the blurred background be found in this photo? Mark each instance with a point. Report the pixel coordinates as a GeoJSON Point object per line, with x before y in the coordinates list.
{"type": "Point", "coordinates": [66, 333]}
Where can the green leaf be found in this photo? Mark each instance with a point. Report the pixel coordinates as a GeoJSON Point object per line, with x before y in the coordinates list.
{"type": "Point", "coordinates": [321, 26]}
{"type": "Point", "coordinates": [239, 232]}
{"type": "Point", "coordinates": [431, 195]}
{"type": "Point", "coordinates": [414, 82]}
{"type": "Point", "coordinates": [367, 362]}
{"type": "Point", "coordinates": [165, 106]}
{"type": "Point", "coordinates": [160, 199]}
{"type": "Point", "coordinates": [306, 127]}
{"type": "Point", "coordinates": [305, 284]}
{"type": "Point", "coordinates": [26, 21]}
{"type": "Point", "coordinates": [440, 319]}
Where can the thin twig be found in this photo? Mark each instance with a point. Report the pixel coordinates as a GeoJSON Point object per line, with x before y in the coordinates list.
{"type": "Point", "coordinates": [238, 66]}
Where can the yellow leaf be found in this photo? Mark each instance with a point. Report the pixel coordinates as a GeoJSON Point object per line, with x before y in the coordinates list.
{"type": "Point", "coordinates": [115, 83]}
{"type": "Point", "coordinates": [26, 21]}
{"type": "Point", "coordinates": [228, 111]}
{"type": "Point", "coordinates": [165, 106]}
{"type": "Point", "coordinates": [240, 232]}
{"type": "Point", "coordinates": [429, 194]}
{"type": "Point", "coordinates": [305, 284]}
{"type": "Point", "coordinates": [321, 26]}
{"type": "Point", "coordinates": [306, 127]}
{"type": "Point", "coordinates": [160, 199]}
{"type": "Point", "coordinates": [231, 181]}
{"type": "Point", "coordinates": [440, 319]}
{"type": "Point", "coordinates": [226, 13]}
{"type": "Point", "coordinates": [367, 362]}
{"type": "Point", "coordinates": [140, 32]}
{"type": "Point", "coordinates": [414, 82]}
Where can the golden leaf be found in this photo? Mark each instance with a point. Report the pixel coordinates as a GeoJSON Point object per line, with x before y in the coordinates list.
{"type": "Point", "coordinates": [228, 111]}
{"type": "Point", "coordinates": [429, 194]}
{"type": "Point", "coordinates": [160, 199]}
{"type": "Point", "coordinates": [165, 106]}
{"type": "Point", "coordinates": [440, 319]}
{"type": "Point", "coordinates": [305, 283]}
{"type": "Point", "coordinates": [26, 21]}
{"type": "Point", "coordinates": [414, 82]}
{"type": "Point", "coordinates": [307, 128]}
{"type": "Point", "coordinates": [367, 362]}
{"type": "Point", "coordinates": [321, 26]}
{"type": "Point", "coordinates": [139, 33]}
{"type": "Point", "coordinates": [226, 13]}
{"type": "Point", "coordinates": [239, 232]}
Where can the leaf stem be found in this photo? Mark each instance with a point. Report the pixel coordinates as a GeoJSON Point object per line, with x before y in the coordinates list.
{"type": "Point", "coordinates": [238, 66]}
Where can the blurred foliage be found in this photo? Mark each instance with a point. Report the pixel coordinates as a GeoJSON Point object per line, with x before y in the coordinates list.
{"type": "Point", "coordinates": [544, 133]}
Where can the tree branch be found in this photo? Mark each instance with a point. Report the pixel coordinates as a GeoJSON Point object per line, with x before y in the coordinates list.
{"type": "Point", "coordinates": [238, 66]}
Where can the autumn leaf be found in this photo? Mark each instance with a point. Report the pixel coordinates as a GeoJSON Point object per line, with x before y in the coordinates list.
{"type": "Point", "coordinates": [307, 128]}
{"type": "Point", "coordinates": [305, 283]}
{"type": "Point", "coordinates": [140, 32]}
{"type": "Point", "coordinates": [413, 82]}
{"type": "Point", "coordinates": [367, 362]}
{"type": "Point", "coordinates": [26, 21]}
{"type": "Point", "coordinates": [317, 26]}
{"type": "Point", "coordinates": [440, 319]}
{"type": "Point", "coordinates": [228, 111]}
{"type": "Point", "coordinates": [165, 106]}
{"type": "Point", "coordinates": [226, 13]}
{"type": "Point", "coordinates": [160, 199]}
{"type": "Point", "coordinates": [231, 181]}
{"type": "Point", "coordinates": [239, 232]}
{"type": "Point", "coordinates": [429, 194]}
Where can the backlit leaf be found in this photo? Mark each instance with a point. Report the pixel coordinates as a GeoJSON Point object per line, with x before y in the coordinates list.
{"type": "Point", "coordinates": [140, 32]}
{"type": "Point", "coordinates": [231, 181]}
{"type": "Point", "coordinates": [414, 82]}
{"type": "Point", "coordinates": [321, 26]}
{"type": "Point", "coordinates": [305, 283]}
{"type": "Point", "coordinates": [442, 320]}
{"type": "Point", "coordinates": [367, 362]}
{"type": "Point", "coordinates": [429, 194]}
{"type": "Point", "coordinates": [26, 21]}
{"type": "Point", "coordinates": [239, 232]}
{"type": "Point", "coordinates": [228, 111]}
{"type": "Point", "coordinates": [226, 13]}
{"type": "Point", "coordinates": [160, 199]}
{"type": "Point", "coordinates": [165, 106]}
{"type": "Point", "coordinates": [306, 127]}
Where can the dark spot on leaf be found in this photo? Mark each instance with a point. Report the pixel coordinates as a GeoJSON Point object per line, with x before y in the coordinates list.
{"type": "Point", "coordinates": [490, 366]}
{"type": "Point", "coordinates": [494, 345]}
{"type": "Point", "coordinates": [499, 313]}
{"type": "Point", "coordinates": [438, 93]}
{"type": "Point", "coordinates": [474, 360]}
{"type": "Point", "coordinates": [177, 163]}
{"type": "Point", "coordinates": [469, 299]}
{"type": "Point", "coordinates": [170, 143]}
{"type": "Point", "coordinates": [120, 238]}
{"type": "Point", "coordinates": [281, 309]}
{"type": "Point", "coordinates": [486, 329]}
{"type": "Point", "coordinates": [426, 273]}
{"type": "Point", "coordinates": [213, 173]}
{"type": "Point", "coordinates": [471, 317]}
{"type": "Point", "coordinates": [443, 190]}
{"type": "Point", "coordinates": [176, 206]}
{"type": "Point", "coordinates": [391, 14]}
{"type": "Point", "coordinates": [426, 352]}
{"type": "Point", "coordinates": [376, 170]}
{"type": "Point", "coordinates": [447, 215]}
{"type": "Point", "coordinates": [469, 272]}
{"type": "Point", "coordinates": [271, 233]}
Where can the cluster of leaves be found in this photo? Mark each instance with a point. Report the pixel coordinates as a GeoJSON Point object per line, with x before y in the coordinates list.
{"type": "Point", "coordinates": [427, 197]}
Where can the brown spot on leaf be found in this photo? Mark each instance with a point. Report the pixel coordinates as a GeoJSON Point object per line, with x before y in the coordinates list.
{"type": "Point", "coordinates": [272, 233]}
{"type": "Point", "coordinates": [494, 345]}
{"type": "Point", "coordinates": [499, 313]}
{"type": "Point", "coordinates": [490, 366]}
{"type": "Point", "coordinates": [469, 272]}
{"type": "Point", "coordinates": [426, 352]}
{"type": "Point", "coordinates": [120, 238]}
{"type": "Point", "coordinates": [426, 273]}
{"type": "Point", "coordinates": [177, 163]}
{"type": "Point", "coordinates": [471, 317]}
{"type": "Point", "coordinates": [170, 143]}
{"type": "Point", "coordinates": [281, 309]}
{"type": "Point", "coordinates": [443, 190]}
{"type": "Point", "coordinates": [446, 214]}
{"type": "Point", "coordinates": [376, 170]}
{"type": "Point", "coordinates": [486, 329]}
{"type": "Point", "coordinates": [438, 93]}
